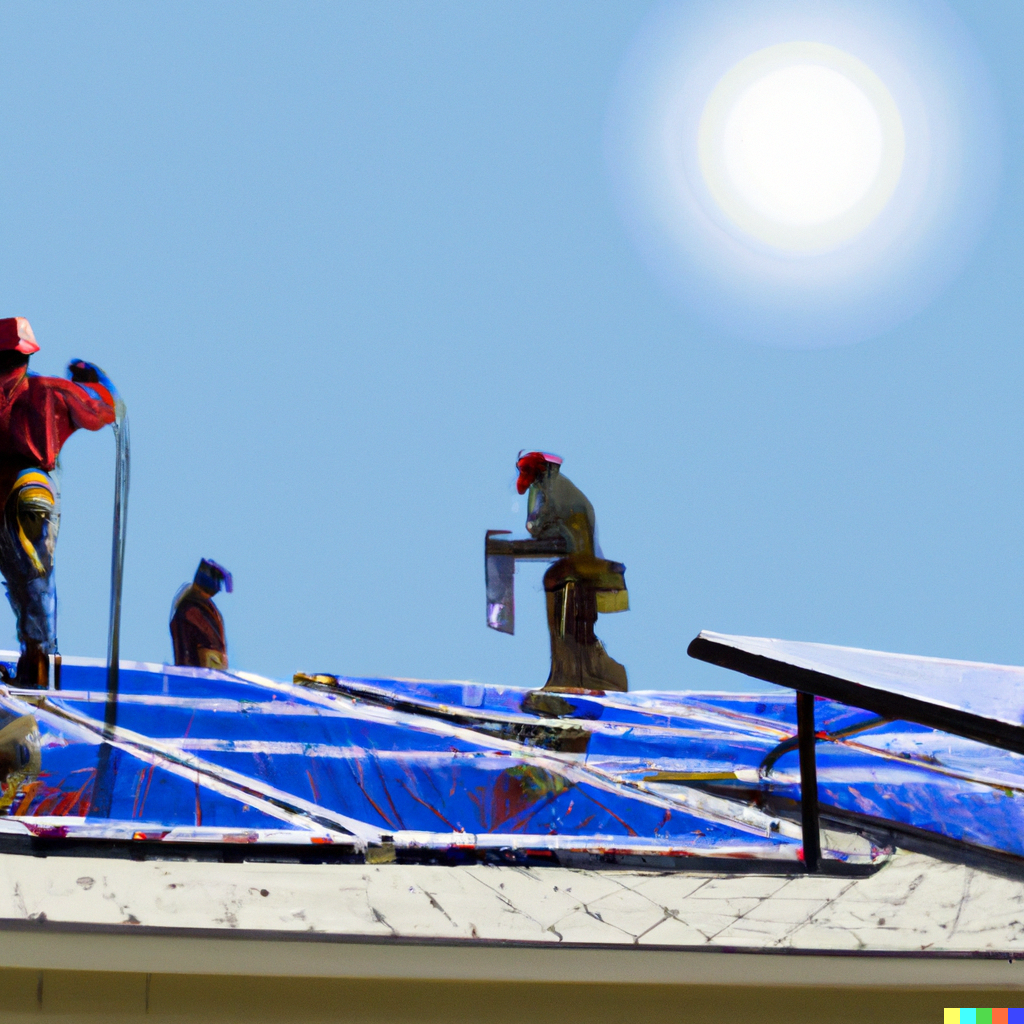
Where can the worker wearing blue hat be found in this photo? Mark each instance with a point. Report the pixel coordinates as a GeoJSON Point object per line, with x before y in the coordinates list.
{"type": "Point", "coordinates": [197, 626]}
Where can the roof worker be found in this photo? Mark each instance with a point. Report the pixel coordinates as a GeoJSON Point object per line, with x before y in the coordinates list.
{"type": "Point", "coordinates": [37, 415]}
{"type": "Point", "coordinates": [577, 586]}
{"type": "Point", "coordinates": [197, 627]}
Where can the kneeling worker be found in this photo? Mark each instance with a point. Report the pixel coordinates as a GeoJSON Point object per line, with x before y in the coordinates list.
{"type": "Point", "coordinates": [37, 415]}
{"type": "Point", "coordinates": [197, 627]}
{"type": "Point", "coordinates": [577, 586]}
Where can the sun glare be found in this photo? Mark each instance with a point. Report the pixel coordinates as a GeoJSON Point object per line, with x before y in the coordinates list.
{"type": "Point", "coordinates": [808, 172]}
{"type": "Point", "coordinates": [801, 146]}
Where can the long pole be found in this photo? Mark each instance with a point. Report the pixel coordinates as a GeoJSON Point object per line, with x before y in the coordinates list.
{"type": "Point", "coordinates": [103, 787]}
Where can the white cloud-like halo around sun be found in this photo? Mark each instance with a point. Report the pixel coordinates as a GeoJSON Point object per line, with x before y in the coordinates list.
{"type": "Point", "coordinates": [809, 172]}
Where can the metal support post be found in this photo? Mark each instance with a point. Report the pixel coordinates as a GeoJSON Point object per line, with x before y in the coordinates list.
{"type": "Point", "coordinates": [808, 781]}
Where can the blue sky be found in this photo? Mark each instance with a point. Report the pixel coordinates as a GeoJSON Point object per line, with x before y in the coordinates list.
{"type": "Point", "coordinates": [345, 260]}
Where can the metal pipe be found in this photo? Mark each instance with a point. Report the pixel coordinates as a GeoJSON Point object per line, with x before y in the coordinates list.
{"type": "Point", "coordinates": [808, 781]}
{"type": "Point", "coordinates": [104, 784]}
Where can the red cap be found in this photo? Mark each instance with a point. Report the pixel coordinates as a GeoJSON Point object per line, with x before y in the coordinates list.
{"type": "Point", "coordinates": [16, 336]}
{"type": "Point", "coordinates": [531, 465]}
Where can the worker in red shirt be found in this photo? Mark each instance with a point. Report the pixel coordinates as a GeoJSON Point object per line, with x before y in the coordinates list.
{"type": "Point", "coordinates": [37, 415]}
{"type": "Point", "coordinates": [197, 627]}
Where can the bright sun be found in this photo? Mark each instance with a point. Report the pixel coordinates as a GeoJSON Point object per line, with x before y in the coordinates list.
{"type": "Point", "coordinates": [801, 145]}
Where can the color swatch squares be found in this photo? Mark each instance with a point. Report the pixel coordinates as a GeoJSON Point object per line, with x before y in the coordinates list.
{"type": "Point", "coordinates": [983, 1015]}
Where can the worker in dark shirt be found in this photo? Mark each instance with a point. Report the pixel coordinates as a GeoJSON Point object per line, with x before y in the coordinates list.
{"type": "Point", "coordinates": [37, 415]}
{"type": "Point", "coordinates": [577, 586]}
{"type": "Point", "coordinates": [197, 627]}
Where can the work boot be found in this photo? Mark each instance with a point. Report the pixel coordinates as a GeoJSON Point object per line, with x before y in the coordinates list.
{"type": "Point", "coordinates": [601, 671]}
{"type": "Point", "coordinates": [577, 665]}
{"type": "Point", "coordinates": [33, 668]}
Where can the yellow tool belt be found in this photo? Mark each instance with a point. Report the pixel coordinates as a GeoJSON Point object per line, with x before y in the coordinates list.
{"type": "Point", "coordinates": [36, 500]}
{"type": "Point", "coordinates": [607, 579]}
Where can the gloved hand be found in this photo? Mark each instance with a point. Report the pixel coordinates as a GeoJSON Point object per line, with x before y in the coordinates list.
{"type": "Point", "coordinates": [85, 373]}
